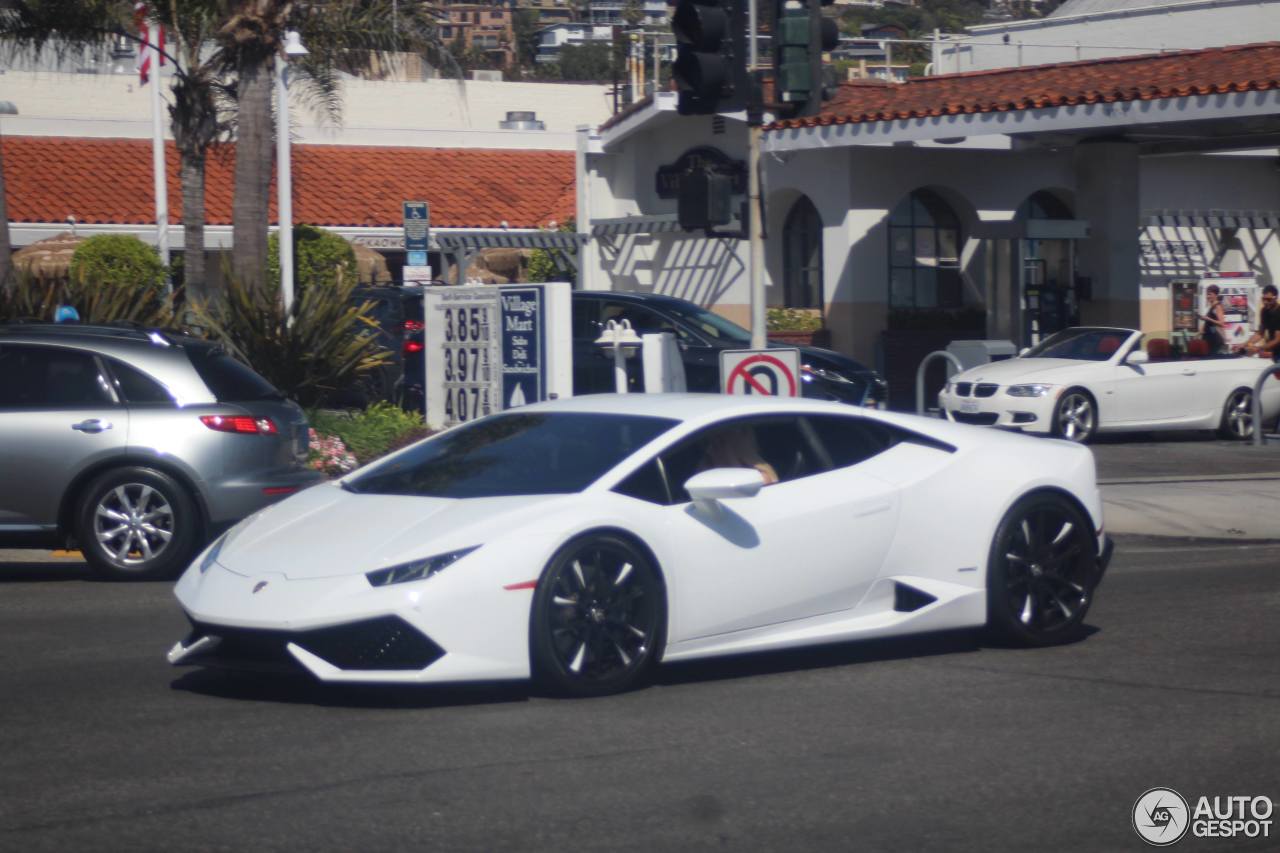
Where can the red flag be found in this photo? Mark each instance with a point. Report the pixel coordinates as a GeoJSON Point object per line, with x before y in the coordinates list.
{"type": "Point", "coordinates": [145, 28]}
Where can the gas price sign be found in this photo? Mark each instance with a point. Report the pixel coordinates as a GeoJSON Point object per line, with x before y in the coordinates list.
{"type": "Point", "coordinates": [490, 348]}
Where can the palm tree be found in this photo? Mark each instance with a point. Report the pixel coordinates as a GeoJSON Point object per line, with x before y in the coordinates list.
{"type": "Point", "coordinates": [342, 36]}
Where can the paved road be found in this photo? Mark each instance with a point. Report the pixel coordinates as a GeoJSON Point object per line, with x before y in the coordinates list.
{"type": "Point", "coordinates": [927, 744]}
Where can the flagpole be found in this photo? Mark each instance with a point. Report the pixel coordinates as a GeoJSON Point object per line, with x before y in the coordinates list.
{"type": "Point", "coordinates": [157, 146]}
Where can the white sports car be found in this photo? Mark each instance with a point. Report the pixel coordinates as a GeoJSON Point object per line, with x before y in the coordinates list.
{"type": "Point", "coordinates": [583, 541]}
{"type": "Point", "coordinates": [1086, 380]}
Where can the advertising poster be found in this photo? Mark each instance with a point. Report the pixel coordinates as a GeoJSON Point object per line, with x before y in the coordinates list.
{"type": "Point", "coordinates": [522, 345]}
{"type": "Point", "coordinates": [1184, 293]}
{"type": "Point", "coordinates": [1239, 294]}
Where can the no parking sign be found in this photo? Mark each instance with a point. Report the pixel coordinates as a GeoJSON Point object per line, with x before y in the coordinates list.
{"type": "Point", "coordinates": [773, 372]}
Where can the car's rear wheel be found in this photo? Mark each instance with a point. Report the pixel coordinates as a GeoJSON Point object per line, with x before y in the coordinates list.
{"type": "Point", "coordinates": [1041, 572]}
{"type": "Point", "coordinates": [599, 617]}
{"type": "Point", "coordinates": [1075, 418]}
{"type": "Point", "coordinates": [1237, 416]}
{"type": "Point", "coordinates": [136, 524]}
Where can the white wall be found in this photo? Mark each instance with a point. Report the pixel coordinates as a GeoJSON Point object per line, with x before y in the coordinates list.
{"type": "Point", "coordinates": [429, 113]}
{"type": "Point", "coordinates": [1149, 29]}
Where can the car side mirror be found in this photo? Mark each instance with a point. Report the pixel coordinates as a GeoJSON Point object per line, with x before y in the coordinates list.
{"type": "Point", "coordinates": [1137, 357]}
{"type": "Point", "coordinates": [721, 483]}
{"type": "Point", "coordinates": [1023, 351]}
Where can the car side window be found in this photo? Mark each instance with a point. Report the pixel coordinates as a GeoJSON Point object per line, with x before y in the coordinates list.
{"type": "Point", "coordinates": [776, 445]}
{"type": "Point", "coordinates": [35, 377]}
{"type": "Point", "coordinates": [646, 483]}
{"type": "Point", "coordinates": [644, 321]}
{"type": "Point", "coordinates": [586, 320]}
{"type": "Point", "coordinates": [137, 387]}
{"type": "Point", "coordinates": [850, 440]}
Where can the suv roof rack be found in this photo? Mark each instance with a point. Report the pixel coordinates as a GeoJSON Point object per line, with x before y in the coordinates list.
{"type": "Point", "coordinates": [124, 330]}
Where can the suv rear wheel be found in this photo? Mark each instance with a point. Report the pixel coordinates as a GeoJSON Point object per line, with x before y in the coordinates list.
{"type": "Point", "coordinates": [137, 524]}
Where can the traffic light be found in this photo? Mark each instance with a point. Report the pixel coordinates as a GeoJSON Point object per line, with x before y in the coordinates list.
{"type": "Point", "coordinates": [801, 35]}
{"type": "Point", "coordinates": [710, 68]}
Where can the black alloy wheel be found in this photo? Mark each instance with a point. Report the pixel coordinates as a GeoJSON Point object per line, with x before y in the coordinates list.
{"type": "Point", "coordinates": [599, 618]}
{"type": "Point", "coordinates": [1075, 418]}
{"type": "Point", "coordinates": [1237, 416]}
{"type": "Point", "coordinates": [137, 524]}
{"type": "Point", "coordinates": [1041, 573]}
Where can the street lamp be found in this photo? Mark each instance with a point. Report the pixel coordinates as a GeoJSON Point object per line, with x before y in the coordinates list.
{"type": "Point", "coordinates": [625, 343]}
{"type": "Point", "coordinates": [284, 178]}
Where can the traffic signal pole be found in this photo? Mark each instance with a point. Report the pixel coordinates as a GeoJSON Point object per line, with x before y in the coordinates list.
{"type": "Point", "coordinates": [755, 212]}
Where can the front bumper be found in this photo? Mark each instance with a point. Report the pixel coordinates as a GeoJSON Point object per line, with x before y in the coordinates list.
{"type": "Point", "coordinates": [1028, 414]}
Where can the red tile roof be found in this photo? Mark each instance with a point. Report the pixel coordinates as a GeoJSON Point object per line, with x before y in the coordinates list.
{"type": "Point", "coordinates": [1245, 68]}
{"type": "Point", "coordinates": [108, 181]}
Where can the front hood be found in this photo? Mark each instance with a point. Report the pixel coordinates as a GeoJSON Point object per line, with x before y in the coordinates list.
{"type": "Point", "coordinates": [328, 532]}
{"type": "Point", "coordinates": [1016, 370]}
{"type": "Point", "coordinates": [831, 360]}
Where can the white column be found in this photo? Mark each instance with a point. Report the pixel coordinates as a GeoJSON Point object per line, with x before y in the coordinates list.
{"type": "Point", "coordinates": [157, 148]}
{"type": "Point", "coordinates": [284, 185]}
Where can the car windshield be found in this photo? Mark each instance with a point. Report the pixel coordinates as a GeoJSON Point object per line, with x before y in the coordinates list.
{"type": "Point", "coordinates": [534, 453]}
{"type": "Point", "coordinates": [1080, 344]}
{"type": "Point", "coordinates": [708, 322]}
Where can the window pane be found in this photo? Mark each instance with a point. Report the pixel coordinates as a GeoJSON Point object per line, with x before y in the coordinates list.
{"type": "Point", "coordinates": [926, 250]}
{"type": "Point", "coordinates": [926, 288]}
{"type": "Point", "coordinates": [514, 454]}
{"type": "Point", "coordinates": [39, 377]}
{"type": "Point", "coordinates": [848, 440]}
{"type": "Point", "coordinates": [901, 291]}
{"type": "Point", "coordinates": [948, 241]}
{"type": "Point", "coordinates": [228, 379]}
{"type": "Point", "coordinates": [646, 484]}
{"type": "Point", "coordinates": [136, 387]}
{"type": "Point", "coordinates": [900, 247]}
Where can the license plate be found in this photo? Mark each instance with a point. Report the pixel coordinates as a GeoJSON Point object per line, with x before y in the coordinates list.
{"type": "Point", "coordinates": [969, 407]}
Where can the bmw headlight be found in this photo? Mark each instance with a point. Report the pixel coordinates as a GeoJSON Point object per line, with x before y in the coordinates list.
{"type": "Point", "coordinates": [1029, 390]}
{"type": "Point", "coordinates": [808, 371]}
{"type": "Point", "coordinates": [416, 570]}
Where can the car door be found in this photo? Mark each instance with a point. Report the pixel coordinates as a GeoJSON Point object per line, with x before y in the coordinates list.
{"type": "Point", "coordinates": [1156, 391]}
{"type": "Point", "coordinates": [58, 416]}
{"type": "Point", "coordinates": [592, 366]}
{"type": "Point", "coordinates": [807, 545]}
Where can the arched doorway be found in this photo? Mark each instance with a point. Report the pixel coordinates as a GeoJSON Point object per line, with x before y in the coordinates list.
{"type": "Point", "coordinates": [924, 254]}
{"type": "Point", "coordinates": [1049, 301]}
{"type": "Point", "coordinates": [802, 256]}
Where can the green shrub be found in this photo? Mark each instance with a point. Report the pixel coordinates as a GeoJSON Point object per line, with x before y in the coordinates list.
{"type": "Point", "coordinates": [30, 298]}
{"type": "Point", "coordinates": [117, 260]}
{"type": "Point", "coordinates": [329, 344]}
{"type": "Point", "coordinates": [371, 433]}
{"type": "Point", "coordinates": [793, 319]}
{"type": "Point", "coordinates": [320, 257]}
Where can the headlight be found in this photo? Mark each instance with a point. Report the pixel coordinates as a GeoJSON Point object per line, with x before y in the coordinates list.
{"type": "Point", "coordinates": [416, 570]}
{"type": "Point", "coordinates": [1029, 390]}
{"type": "Point", "coordinates": [808, 370]}
{"type": "Point", "coordinates": [211, 555]}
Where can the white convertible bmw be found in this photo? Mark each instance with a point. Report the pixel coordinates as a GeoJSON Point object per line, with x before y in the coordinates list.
{"type": "Point", "coordinates": [1086, 380]}
{"type": "Point", "coordinates": [583, 541]}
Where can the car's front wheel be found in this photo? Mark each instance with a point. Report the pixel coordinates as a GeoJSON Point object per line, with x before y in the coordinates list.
{"type": "Point", "coordinates": [1075, 418]}
{"type": "Point", "coordinates": [1041, 572]}
{"type": "Point", "coordinates": [599, 617]}
{"type": "Point", "coordinates": [1237, 416]}
{"type": "Point", "coordinates": [137, 523]}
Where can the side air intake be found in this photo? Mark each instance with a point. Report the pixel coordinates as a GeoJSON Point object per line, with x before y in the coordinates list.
{"type": "Point", "coordinates": [908, 598]}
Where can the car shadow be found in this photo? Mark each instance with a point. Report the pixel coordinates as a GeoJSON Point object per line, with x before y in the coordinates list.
{"type": "Point", "coordinates": [301, 689]}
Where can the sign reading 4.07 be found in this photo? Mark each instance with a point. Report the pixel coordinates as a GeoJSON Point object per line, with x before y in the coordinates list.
{"type": "Point", "coordinates": [490, 348]}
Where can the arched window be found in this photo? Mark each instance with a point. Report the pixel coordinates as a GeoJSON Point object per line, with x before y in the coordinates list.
{"type": "Point", "coordinates": [924, 254]}
{"type": "Point", "coordinates": [802, 256]}
{"type": "Point", "coordinates": [1043, 205]}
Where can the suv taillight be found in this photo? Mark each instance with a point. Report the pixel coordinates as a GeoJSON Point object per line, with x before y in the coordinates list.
{"type": "Point", "coordinates": [410, 347]}
{"type": "Point", "coordinates": [240, 424]}
{"type": "Point", "coordinates": [413, 326]}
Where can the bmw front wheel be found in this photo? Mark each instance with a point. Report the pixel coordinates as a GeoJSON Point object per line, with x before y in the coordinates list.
{"type": "Point", "coordinates": [1041, 572]}
{"type": "Point", "coordinates": [1075, 418]}
{"type": "Point", "coordinates": [599, 617]}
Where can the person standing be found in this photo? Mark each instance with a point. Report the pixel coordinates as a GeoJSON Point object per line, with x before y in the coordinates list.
{"type": "Point", "coordinates": [1213, 327]}
{"type": "Point", "coordinates": [1266, 340]}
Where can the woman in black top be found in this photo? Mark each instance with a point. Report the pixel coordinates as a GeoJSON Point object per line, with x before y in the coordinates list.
{"type": "Point", "coordinates": [1215, 321]}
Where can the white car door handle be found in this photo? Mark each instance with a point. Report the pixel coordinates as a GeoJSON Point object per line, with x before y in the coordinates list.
{"type": "Point", "coordinates": [92, 425]}
{"type": "Point", "coordinates": [1188, 373]}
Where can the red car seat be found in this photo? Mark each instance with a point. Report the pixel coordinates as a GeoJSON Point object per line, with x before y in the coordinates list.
{"type": "Point", "coordinates": [1197, 348]}
{"type": "Point", "coordinates": [1158, 349]}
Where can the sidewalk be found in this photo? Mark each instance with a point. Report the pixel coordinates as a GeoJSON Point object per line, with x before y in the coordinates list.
{"type": "Point", "coordinates": [1190, 487]}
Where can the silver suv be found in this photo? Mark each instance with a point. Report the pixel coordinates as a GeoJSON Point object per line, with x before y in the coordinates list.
{"type": "Point", "coordinates": [138, 446]}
